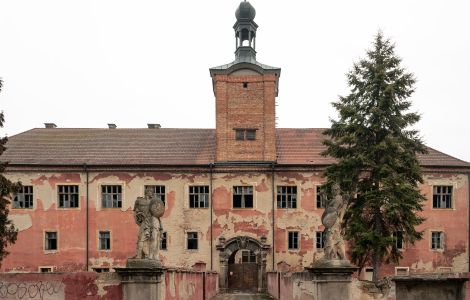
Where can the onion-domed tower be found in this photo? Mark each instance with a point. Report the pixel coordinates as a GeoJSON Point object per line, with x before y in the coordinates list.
{"type": "Point", "coordinates": [245, 93]}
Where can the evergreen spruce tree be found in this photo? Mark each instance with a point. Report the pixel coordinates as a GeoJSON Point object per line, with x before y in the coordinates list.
{"type": "Point", "coordinates": [376, 151]}
{"type": "Point", "coordinates": [8, 232]}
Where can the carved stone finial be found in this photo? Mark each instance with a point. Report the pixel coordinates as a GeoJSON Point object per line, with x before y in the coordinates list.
{"type": "Point", "coordinates": [263, 239]}
{"type": "Point", "coordinates": [222, 240]}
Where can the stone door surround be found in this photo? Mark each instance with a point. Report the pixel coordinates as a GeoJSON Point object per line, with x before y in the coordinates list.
{"type": "Point", "coordinates": [227, 247]}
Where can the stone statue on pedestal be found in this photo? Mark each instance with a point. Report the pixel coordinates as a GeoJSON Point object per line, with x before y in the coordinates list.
{"type": "Point", "coordinates": [142, 276]}
{"type": "Point", "coordinates": [147, 213]}
{"type": "Point", "coordinates": [331, 219]}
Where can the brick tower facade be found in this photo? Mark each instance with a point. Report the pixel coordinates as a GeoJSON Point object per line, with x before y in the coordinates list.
{"type": "Point", "coordinates": [245, 95]}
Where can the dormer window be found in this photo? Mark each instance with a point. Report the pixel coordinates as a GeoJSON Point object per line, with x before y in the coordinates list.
{"type": "Point", "coordinates": [245, 134]}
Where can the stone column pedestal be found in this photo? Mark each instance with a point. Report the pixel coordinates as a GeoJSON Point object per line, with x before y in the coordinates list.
{"type": "Point", "coordinates": [332, 279]}
{"type": "Point", "coordinates": [141, 279]}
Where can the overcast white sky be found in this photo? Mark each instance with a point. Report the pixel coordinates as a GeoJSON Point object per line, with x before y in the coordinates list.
{"type": "Point", "coordinates": [88, 63]}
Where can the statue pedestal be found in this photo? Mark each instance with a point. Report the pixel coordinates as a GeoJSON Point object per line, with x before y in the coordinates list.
{"type": "Point", "coordinates": [332, 278]}
{"type": "Point", "coordinates": [141, 279]}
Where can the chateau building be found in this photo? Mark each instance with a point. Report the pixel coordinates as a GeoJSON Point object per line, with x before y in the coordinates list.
{"type": "Point", "coordinates": [241, 199]}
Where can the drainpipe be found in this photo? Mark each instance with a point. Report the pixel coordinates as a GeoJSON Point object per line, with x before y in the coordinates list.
{"type": "Point", "coordinates": [468, 225]}
{"type": "Point", "coordinates": [211, 208]}
{"type": "Point", "coordinates": [274, 200]}
{"type": "Point", "coordinates": [87, 217]}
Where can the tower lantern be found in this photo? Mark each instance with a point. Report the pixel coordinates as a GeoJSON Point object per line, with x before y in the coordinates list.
{"type": "Point", "coordinates": [245, 32]}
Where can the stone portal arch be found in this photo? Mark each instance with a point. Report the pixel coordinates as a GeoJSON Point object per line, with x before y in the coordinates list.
{"type": "Point", "coordinates": [229, 247]}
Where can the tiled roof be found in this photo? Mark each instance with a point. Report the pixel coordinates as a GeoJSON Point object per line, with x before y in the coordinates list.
{"type": "Point", "coordinates": [111, 146]}
{"type": "Point", "coordinates": [304, 145]}
{"type": "Point", "coordinates": [164, 146]}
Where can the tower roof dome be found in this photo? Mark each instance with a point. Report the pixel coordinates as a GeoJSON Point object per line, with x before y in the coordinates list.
{"type": "Point", "coordinates": [245, 12]}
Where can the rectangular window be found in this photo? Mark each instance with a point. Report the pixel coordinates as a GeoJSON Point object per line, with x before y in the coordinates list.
{"type": "Point", "coordinates": [101, 270]}
{"type": "Point", "coordinates": [68, 196]}
{"type": "Point", "coordinates": [286, 197]}
{"type": "Point", "coordinates": [442, 196]}
{"type": "Point", "coordinates": [163, 241]}
{"type": "Point", "coordinates": [245, 134]}
{"type": "Point", "coordinates": [199, 196]}
{"type": "Point", "coordinates": [320, 198]}
{"type": "Point", "coordinates": [239, 134]}
{"type": "Point", "coordinates": [158, 191]}
{"type": "Point", "coordinates": [248, 256]}
{"type": "Point", "coordinates": [24, 198]}
{"type": "Point", "coordinates": [242, 197]}
{"type": "Point", "coordinates": [105, 240]}
{"type": "Point", "coordinates": [398, 239]}
{"type": "Point", "coordinates": [437, 240]}
{"type": "Point", "coordinates": [320, 240]}
{"type": "Point", "coordinates": [45, 269]}
{"type": "Point", "coordinates": [50, 242]}
{"type": "Point", "coordinates": [368, 274]}
{"type": "Point", "coordinates": [402, 271]}
{"type": "Point", "coordinates": [293, 237]}
{"type": "Point", "coordinates": [250, 134]}
{"type": "Point", "coordinates": [192, 240]}
{"type": "Point", "coordinates": [111, 196]}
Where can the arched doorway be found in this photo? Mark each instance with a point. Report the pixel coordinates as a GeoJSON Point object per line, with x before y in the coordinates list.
{"type": "Point", "coordinates": [242, 264]}
{"type": "Point", "coordinates": [243, 270]}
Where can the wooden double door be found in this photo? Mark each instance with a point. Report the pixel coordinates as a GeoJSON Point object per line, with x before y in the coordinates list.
{"type": "Point", "coordinates": [243, 276]}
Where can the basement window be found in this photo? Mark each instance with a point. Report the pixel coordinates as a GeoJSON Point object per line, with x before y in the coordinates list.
{"type": "Point", "coordinates": [45, 269]}
{"type": "Point", "coordinates": [368, 273]}
{"type": "Point", "coordinates": [101, 270]}
{"type": "Point", "coordinates": [442, 196]}
{"type": "Point", "coordinates": [402, 271]}
{"type": "Point", "coordinates": [24, 198]}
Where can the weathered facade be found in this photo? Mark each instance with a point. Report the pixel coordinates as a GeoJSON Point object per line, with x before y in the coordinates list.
{"type": "Point", "coordinates": [240, 198]}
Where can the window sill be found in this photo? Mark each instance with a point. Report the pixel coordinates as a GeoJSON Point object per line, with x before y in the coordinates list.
{"type": "Point", "coordinates": [50, 251]}
{"type": "Point", "coordinates": [110, 208]}
{"type": "Point", "coordinates": [189, 208]}
{"type": "Point", "coordinates": [68, 208]}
